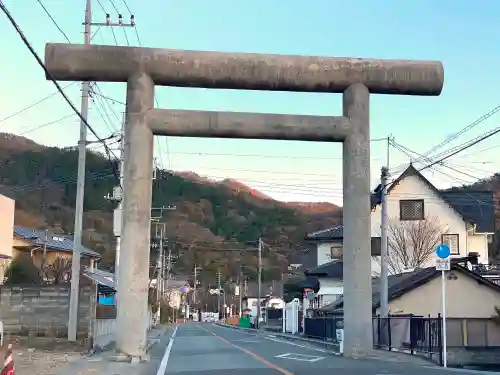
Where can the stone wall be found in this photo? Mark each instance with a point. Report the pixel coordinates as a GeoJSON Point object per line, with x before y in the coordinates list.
{"type": "Point", "coordinates": [42, 310]}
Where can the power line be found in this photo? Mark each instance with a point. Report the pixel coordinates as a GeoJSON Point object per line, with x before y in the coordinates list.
{"type": "Point", "coordinates": [47, 74]}
{"type": "Point", "coordinates": [38, 127]}
{"type": "Point", "coordinates": [481, 139]}
{"type": "Point", "coordinates": [47, 12]}
{"type": "Point", "coordinates": [402, 148]}
{"type": "Point", "coordinates": [464, 130]}
{"type": "Point", "coordinates": [42, 65]}
{"type": "Point", "coordinates": [53, 20]}
{"type": "Point", "coordinates": [35, 104]}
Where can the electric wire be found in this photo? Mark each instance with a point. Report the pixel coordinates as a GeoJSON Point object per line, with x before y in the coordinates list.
{"type": "Point", "coordinates": [49, 75]}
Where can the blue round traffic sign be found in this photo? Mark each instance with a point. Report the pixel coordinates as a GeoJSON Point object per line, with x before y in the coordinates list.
{"type": "Point", "coordinates": [443, 251]}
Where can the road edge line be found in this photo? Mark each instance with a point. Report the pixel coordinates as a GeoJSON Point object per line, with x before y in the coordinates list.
{"type": "Point", "coordinates": [164, 361]}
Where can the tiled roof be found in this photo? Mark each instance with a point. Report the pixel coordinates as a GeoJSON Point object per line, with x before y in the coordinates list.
{"type": "Point", "coordinates": [333, 269]}
{"type": "Point", "coordinates": [54, 241]}
{"type": "Point", "coordinates": [405, 282]}
{"type": "Point", "coordinates": [475, 207]}
{"type": "Point", "coordinates": [336, 232]}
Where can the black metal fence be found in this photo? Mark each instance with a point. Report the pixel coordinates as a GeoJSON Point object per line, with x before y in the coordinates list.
{"type": "Point", "coordinates": [274, 314]}
{"type": "Point", "coordinates": [416, 335]}
{"type": "Point", "coordinates": [410, 334]}
{"type": "Point", "coordinates": [322, 328]}
{"type": "Point", "coordinates": [273, 319]}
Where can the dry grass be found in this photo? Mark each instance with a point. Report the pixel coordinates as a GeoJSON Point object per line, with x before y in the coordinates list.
{"type": "Point", "coordinates": [41, 355]}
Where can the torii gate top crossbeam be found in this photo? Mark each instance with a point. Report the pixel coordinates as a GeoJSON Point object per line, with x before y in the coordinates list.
{"type": "Point", "coordinates": [243, 71]}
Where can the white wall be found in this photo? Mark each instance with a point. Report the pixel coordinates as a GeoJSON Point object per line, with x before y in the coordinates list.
{"type": "Point", "coordinates": [330, 289]}
{"type": "Point", "coordinates": [324, 252]}
{"type": "Point", "coordinates": [276, 303]}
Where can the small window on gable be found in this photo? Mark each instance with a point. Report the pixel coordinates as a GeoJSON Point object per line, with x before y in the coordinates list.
{"type": "Point", "coordinates": [452, 241]}
{"type": "Point", "coordinates": [335, 252]}
{"type": "Point", "coordinates": [411, 209]}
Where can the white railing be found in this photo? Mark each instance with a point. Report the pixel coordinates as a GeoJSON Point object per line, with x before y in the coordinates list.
{"type": "Point", "coordinates": [105, 329]}
{"type": "Point", "coordinates": [104, 332]}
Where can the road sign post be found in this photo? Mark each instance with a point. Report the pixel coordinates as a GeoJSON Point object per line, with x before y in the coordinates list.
{"type": "Point", "coordinates": [443, 264]}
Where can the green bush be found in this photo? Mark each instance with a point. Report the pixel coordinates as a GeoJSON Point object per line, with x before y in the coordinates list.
{"type": "Point", "coordinates": [22, 271]}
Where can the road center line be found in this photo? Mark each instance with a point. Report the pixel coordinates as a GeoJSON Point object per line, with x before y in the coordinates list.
{"type": "Point", "coordinates": [166, 356]}
{"type": "Point", "coordinates": [257, 357]}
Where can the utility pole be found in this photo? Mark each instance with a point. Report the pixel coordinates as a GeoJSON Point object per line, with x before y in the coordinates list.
{"type": "Point", "coordinates": [118, 197]}
{"type": "Point", "coordinates": [195, 284]}
{"type": "Point", "coordinates": [80, 184]}
{"type": "Point", "coordinates": [259, 283]}
{"type": "Point", "coordinates": [160, 263]}
{"type": "Point", "coordinates": [80, 187]}
{"type": "Point", "coordinates": [45, 246]}
{"type": "Point", "coordinates": [169, 267]}
{"type": "Point", "coordinates": [241, 292]}
{"type": "Point", "coordinates": [159, 274]}
{"type": "Point", "coordinates": [218, 291]}
{"type": "Point", "coordinates": [384, 260]}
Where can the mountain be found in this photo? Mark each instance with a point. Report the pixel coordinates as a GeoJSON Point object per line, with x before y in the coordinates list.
{"type": "Point", "coordinates": [216, 224]}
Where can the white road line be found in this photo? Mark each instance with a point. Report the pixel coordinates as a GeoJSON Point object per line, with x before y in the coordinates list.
{"type": "Point", "coordinates": [299, 357]}
{"type": "Point", "coordinates": [286, 342]}
{"type": "Point", "coordinates": [300, 345]}
{"type": "Point", "coordinates": [175, 331]}
{"type": "Point", "coordinates": [166, 356]}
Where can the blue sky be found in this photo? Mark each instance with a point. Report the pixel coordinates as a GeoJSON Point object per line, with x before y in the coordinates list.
{"type": "Point", "coordinates": [463, 34]}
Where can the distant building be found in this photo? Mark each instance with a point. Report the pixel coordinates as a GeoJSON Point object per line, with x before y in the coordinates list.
{"type": "Point", "coordinates": [36, 242]}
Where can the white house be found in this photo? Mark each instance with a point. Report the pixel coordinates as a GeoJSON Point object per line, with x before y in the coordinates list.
{"type": "Point", "coordinates": [330, 278]}
{"type": "Point", "coordinates": [266, 302]}
{"type": "Point", "coordinates": [462, 219]}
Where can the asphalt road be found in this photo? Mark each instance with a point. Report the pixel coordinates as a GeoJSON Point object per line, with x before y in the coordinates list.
{"type": "Point", "coordinates": [207, 349]}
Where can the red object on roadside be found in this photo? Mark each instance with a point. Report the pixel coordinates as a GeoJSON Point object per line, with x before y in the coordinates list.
{"type": "Point", "coordinates": [8, 365]}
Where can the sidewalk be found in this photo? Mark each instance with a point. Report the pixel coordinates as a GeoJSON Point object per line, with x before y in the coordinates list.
{"type": "Point", "coordinates": [103, 363]}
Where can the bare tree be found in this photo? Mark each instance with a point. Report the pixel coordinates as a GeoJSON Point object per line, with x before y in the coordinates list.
{"type": "Point", "coordinates": [57, 272]}
{"type": "Point", "coordinates": [411, 244]}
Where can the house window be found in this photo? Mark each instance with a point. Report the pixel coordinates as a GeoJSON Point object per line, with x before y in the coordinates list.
{"type": "Point", "coordinates": [336, 252]}
{"type": "Point", "coordinates": [411, 209]}
{"type": "Point", "coordinates": [452, 241]}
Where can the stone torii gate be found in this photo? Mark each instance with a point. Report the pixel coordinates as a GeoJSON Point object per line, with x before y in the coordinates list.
{"type": "Point", "coordinates": [143, 68]}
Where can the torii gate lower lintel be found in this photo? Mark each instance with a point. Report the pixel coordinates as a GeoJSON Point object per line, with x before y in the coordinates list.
{"type": "Point", "coordinates": [142, 68]}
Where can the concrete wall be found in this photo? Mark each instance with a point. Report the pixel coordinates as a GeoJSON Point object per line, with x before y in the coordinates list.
{"type": "Point", "coordinates": [465, 298]}
{"type": "Point", "coordinates": [413, 187]}
{"type": "Point", "coordinates": [42, 310]}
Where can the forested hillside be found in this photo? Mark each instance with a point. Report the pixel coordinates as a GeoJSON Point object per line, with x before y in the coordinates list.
{"type": "Point", "coordinates": [212, 223]}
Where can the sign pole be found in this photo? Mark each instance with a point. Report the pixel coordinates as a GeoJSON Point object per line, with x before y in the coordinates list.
{"type": "Point", "coordinates": [443, 292]}
{"type": "Point", "coordinates": [443, 264]}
